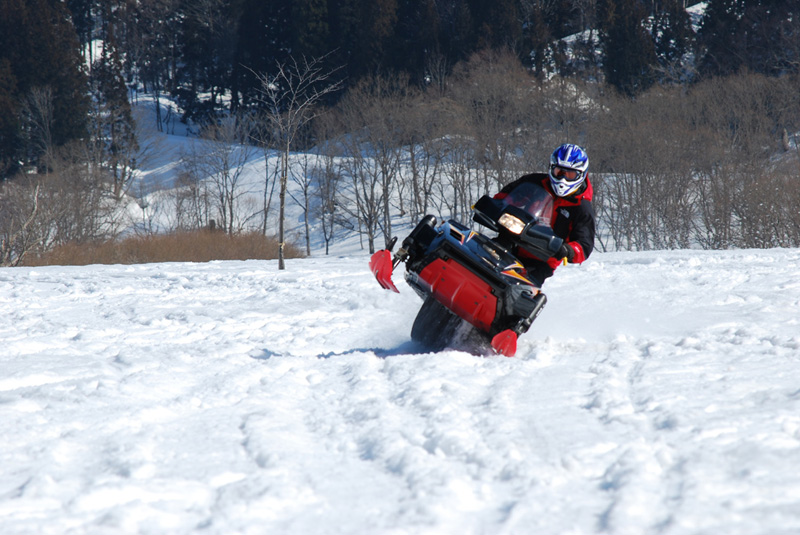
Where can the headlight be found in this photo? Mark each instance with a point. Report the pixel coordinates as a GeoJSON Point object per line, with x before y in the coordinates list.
{"type": "Point", "coordinates": [513, 224]}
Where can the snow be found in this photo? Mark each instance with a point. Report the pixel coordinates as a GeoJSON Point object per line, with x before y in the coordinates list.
{"type": "Point", "coordinates": [658, 392]}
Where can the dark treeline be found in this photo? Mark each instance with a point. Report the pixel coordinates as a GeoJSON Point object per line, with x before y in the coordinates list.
{"type": "Point", "coordinates": [209, 53]}
{"type": "Point", "coordinates": [452, 98]}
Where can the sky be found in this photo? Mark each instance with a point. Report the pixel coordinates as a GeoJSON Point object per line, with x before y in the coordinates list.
{"type": "Point", "coordinates": [657, 393]}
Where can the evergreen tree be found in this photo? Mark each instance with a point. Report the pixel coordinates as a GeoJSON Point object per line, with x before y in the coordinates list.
{"type": "Point", "coordinates": [309, 28]}
{"type": "Point", "coordinates": [9, 125]}
{"type": "Point", "coordinates": [417, 40]}
{"type": "Point", "coordinates": [39, 47]}
{"type": "Point", "coordinates": [208, 43]}
{"type": "Point", "coordinates": [264, 40]}
{"type": "Point", "coordinates": [83, 19]}
{"type": "Point", "coordinates": [378, 18]}
{"type": "Point", "coordinates": [761, 35]}
{"type": "Point", "coordinates": [496, 24]}
{"type": "Point", "coordinates": [363, 32]}
{"type": "Point", "coordinates": [114, 128]}
{"type": "Point", "coordinates": [154, 37]}
{"type": "Point", "coordinates": [722, 43]}
{"type": "Point", "coordinates": [457, 36]}
{"type": "Point", "coordinates": [628, 49]}
{"type": "Point", "coordinates": [775, 42]}
{"type": "Point", "coordinates": [544, 24]}
{"type": "Point", "coordinates": [537, 36]}
{"type": "Point", "coordinates": [269, 33]}
{"type": "Point", "coordinates": [674, 38]}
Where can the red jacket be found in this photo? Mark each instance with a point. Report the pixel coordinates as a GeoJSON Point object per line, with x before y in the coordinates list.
{"type": "Point", "coordinates": [574, 223]}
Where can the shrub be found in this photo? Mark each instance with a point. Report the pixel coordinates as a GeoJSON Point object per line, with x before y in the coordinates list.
{"type": "Point", "coordinates": [197, 246]}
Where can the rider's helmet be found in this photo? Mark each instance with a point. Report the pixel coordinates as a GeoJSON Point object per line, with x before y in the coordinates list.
{"type": "Point", "coordinates": [568, 165]}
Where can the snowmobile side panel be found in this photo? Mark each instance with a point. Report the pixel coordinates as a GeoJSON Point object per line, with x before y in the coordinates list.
{"type": "Point", "coordinates": [462, 291]}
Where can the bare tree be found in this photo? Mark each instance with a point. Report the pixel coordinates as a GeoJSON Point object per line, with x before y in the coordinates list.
{"type": "Point", "coordinates": [264, 134]}
{"type": "Point", "coordinates": [39, 112]}
{"type": "Point", "coordinates": [425, 124]}
{"type": "Point", "coordinates": [461, 183]}
{"type": "Point", "coordinates": [700, 166]}
{"type": "Point", "coordinates": [192, 200]}
{"type": "Point", "coordinates": [492, 89]}
{"type": "Point", "coordinates": [328, 186]}
{"type": "Point", "coordinates": [327, 193]}
{"type": "Point", "coordinates": [372, 113]}
{"type": "Point", "coordinates": [19, 207]}
{"type": "Point", "coordinates": [67, 204]}
{"type": "Point", "coordinates": [271, 178]}
{"type": "Point", "coordinates": [221, 156]}
{"type": "Point", "coordinates": [292, 96]}
{"type": "Point", "coordinates": [436, 68]}
{"type": "Point", "coordinates": [364, 186]}
{"type": "Point", "coordinates": [76, 204]}
{"type": "Point", "coordinates": [306, 162]}
{"type": "Point", "coordinates": [383, 135]}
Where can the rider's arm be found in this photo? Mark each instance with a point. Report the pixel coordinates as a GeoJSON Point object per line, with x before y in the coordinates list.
{"type": "Point", "coordinates": [581, 236]}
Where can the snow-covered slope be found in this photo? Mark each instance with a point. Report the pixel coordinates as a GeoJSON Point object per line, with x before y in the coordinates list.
{"type": "Point", "coordinates": [657, 393]}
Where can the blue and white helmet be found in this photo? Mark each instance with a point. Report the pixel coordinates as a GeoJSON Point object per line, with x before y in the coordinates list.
{"type": "Point", "coordinates": [568, 165]}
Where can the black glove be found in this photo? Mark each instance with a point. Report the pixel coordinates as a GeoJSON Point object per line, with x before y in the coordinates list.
{"type": "Point", "coordinates": [566, 251]}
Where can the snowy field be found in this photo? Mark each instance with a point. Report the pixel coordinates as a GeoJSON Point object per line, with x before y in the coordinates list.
{"type": "Point", "coordinates": [658, 393]}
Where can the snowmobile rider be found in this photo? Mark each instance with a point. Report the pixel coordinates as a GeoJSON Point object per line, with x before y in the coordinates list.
{"type": "Point", "coordinates": [568, 183]}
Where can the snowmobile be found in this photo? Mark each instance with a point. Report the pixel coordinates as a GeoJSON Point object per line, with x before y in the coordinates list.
{"type": "Point", "coordinates": [466, 278]}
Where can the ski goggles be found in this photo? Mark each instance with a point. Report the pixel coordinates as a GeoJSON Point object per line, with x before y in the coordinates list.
{"type": "Point", "coordinates": [570, 175]}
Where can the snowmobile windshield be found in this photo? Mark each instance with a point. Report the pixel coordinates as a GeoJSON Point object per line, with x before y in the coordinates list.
{"type": "Point", "coordinates": [534, 199]}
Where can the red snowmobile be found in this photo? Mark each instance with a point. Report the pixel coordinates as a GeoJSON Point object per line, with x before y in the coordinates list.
{"type": "Point", "coordinates": [466, 277]}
